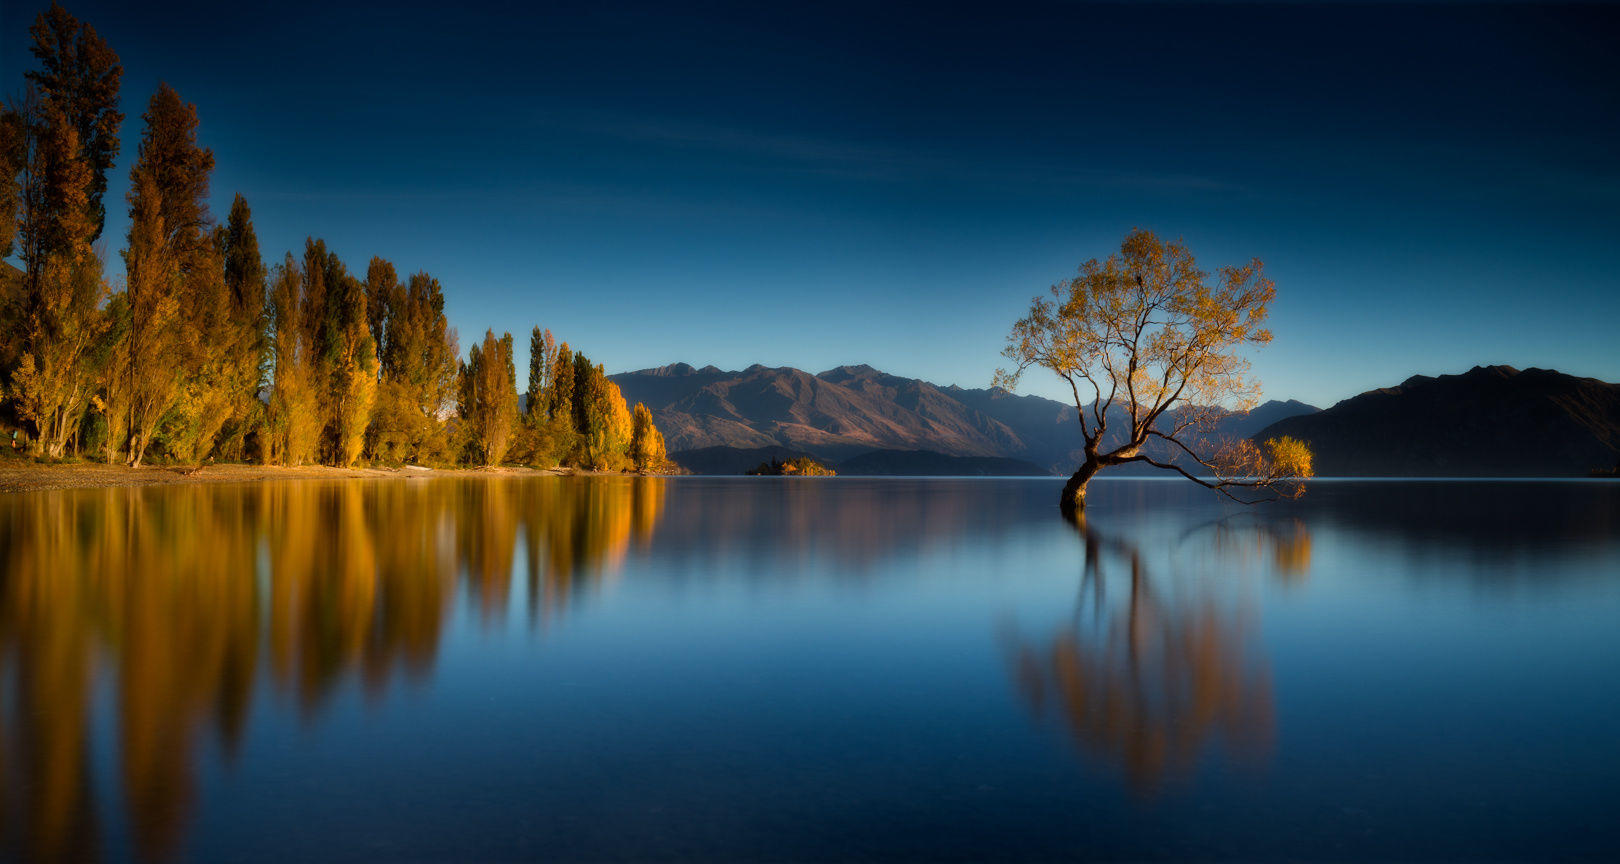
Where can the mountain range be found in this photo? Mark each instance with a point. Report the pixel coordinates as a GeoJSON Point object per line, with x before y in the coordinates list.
{"type": "Point", "coordinates": [713, 419]}
{"type": "Point", "coordinates": [1489, 421]}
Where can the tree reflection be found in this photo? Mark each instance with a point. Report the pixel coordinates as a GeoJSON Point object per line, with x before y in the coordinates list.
{"type": "Point", "coordinates": [1151, 680]}
{"type": "Point", "coordinates": [179, 606]}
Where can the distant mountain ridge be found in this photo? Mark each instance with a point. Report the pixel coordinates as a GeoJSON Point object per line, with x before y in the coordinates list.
{"type": "Point", "coordinates": [1489, 421]}
{"type": "Point", "coordinates": [848, 411]}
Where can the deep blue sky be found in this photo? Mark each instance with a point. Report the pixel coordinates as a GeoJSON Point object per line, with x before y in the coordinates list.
{"type": "Point", "coordinates": [1432, 187]}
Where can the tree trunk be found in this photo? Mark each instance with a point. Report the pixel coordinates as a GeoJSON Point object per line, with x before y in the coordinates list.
{"type": "Point", "coordinates": [1073, 502]}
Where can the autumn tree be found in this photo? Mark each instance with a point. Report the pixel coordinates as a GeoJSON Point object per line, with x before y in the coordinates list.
{"type": "Point", "coordinates": [1150, 343]}
{"type": "Point", "coordinates": [344, 367]}
{"type": "Point", "coordinates": [245, 354]}
{"type": "Point", "coordinates": [13, 157]}
{"type": "Point", "coordinates": [602, 424]}
{"type": "Point", "coordinates": [175, 283]}
{"type": "Point", "coordinates": [353, 367]}
{"type": "Point", "coordinates": [293, 424]}
{"type": "Point", "coordinates": [382, 289]}
{"type": "Point", "coordinates": [79, 75]}
{"type": "Point", "coordinates": [541, 439]}
{"type": "Point", "coordinates": [54, 381]}
{"type": "Point", "coordinates": [419, 368]}
{"type": "Point", "coordinates": [488, 398]}
{"type": "Point", "coordinates": [646, 442]}
{"type": "Point", "coordinates": [56, 145]}
{"type": "Point", "coordinates": [13, 153]}
{"type": "Point", "coordinates": [560, 437]}
{"type": "Point", "coordinates": [611, 451]}
{"type": "Point", "coordinates": [542, 351]}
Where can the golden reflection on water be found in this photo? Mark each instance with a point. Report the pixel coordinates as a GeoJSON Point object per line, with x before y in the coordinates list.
{"type": "Point", "coordinates": [1153, 680]}
{"type": "Point", "coordinates": [181, 599]}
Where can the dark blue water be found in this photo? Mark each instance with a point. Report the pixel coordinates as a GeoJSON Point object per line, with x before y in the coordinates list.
{"type": "Point", "coordinates": [809, 669]}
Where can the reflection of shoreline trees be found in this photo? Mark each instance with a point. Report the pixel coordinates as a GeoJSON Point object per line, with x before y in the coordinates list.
{"type": "Point", "coordinates": [1150, 678]}
{"type": "Point", "coordinates": [188, 602]}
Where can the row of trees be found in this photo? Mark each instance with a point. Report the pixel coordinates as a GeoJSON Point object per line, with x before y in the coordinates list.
{"type": "Point", "coordinates": [571, 413]}
{"type": "Point", "coordinates": [203, 353]}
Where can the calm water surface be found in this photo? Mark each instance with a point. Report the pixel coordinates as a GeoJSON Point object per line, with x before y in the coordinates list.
{"type": "Point", "coordinates": [790, 669]}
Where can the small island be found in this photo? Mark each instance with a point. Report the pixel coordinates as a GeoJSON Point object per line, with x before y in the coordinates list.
{"type": "Point", "coordinates": [799, 466]}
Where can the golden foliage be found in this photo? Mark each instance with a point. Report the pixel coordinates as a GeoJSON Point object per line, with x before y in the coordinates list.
{"type": "Point", "coordinates": [53, 381]}
{"type": "Point", "coordinates": [1289, 457]}
{"type": "Point", "coordinates": [489, 397]}
{"type": "Point", "coordinates": [647, 443]}
{"type": "Point", "coordinates": [1149, 334]}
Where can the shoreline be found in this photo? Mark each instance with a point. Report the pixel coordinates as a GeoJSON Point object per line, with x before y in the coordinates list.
{"type": "Point", "coordinates": [26, 476]}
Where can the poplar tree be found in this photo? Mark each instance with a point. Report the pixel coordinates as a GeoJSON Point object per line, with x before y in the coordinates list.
{"type": "Point", "coordinates": [174, 277]}
{"type": "Point", "coordinates": [354, 368]}
{"type": "Point", "coordinates": [488, 398]}
{"type": "Point", "coordinates": [585, 397]}
{"type": "Point", "coordinates": [80, 76]}
{"type": "Point", "coordinates": [148, 369]}
{"type": "Point", "coordinates": [419, 373]}
{"type": "Point", "coordinates": [612, 450]}
{"type": "Point", "coordinates": [542, 347]}
{"type": "Point", "coordinates": [13, 153]}
{"type": "Point", "coordinates": [53, 381]}
{"type": "Point", "coordinates": [344, 369]}
{"type": "Point", "coordinates": [646, 442]}
{"type": "Point", "coordinates": [560, 401]}
{"type": "Point", "coordinates": [382, 288]}
{"type": "Point", "coordinates": [293, 424]}
{"type": "Point", "coordinates": [248, 350]}
{"type": "Point", "coordinates": [13, 157]}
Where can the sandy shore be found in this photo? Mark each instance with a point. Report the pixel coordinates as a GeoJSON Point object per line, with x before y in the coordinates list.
{"type": "Point", "coordinates": [23, 476]}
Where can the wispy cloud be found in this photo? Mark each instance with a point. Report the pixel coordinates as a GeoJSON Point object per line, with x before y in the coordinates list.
{"type": "Point", "coordinates": [857, 160]}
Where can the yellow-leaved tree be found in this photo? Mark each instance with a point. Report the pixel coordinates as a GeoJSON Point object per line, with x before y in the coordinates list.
{"type": "Point", "coordinates": [1150, 345]}
{"type": "Point", "coordinates": [646, 442]}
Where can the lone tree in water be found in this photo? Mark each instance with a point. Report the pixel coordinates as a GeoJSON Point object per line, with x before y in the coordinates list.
{"type": "Point", "coordinates": [1150, 344]}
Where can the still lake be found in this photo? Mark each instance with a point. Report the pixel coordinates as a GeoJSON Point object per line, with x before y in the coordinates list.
{"type": "Point", "coordinates": [809, 669]}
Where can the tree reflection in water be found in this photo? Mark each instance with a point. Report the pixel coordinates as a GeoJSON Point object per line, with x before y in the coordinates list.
{"type": "Point", "coordinates": [180, 599]}
{"type": "Point", "coordinates": [1152, 677]}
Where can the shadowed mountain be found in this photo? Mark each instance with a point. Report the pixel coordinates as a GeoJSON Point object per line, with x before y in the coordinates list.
{"type": "Point", "coordinates": [852, 410]}
{"type": "Point", "coordinates": [1488, 421]}
{"type": "Point", "coordinates": [921, 463]}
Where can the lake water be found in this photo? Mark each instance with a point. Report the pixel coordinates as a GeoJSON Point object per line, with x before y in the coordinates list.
{"type": "Point", "coordinates": [809, 669]}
